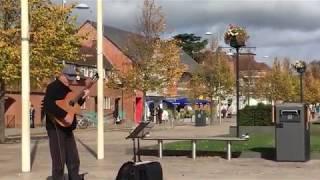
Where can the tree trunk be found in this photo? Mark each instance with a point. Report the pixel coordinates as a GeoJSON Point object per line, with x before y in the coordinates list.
{"type": "Point", "coordinates": [219, 109]}
{"type": "Point", "coordinates": [211, 112]}
{"type": "Point", "coordinates": [2, 110]}
{"type": "Point", "coordinates": [273, 110]}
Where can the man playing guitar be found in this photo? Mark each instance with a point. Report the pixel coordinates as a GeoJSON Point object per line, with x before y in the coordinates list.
{"type": "Point", "coordinates": [60, 125]}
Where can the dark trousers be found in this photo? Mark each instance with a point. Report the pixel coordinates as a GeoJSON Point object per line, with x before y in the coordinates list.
{"type": "Point", "coordinates": [63, 151]}
{"type": "Point", "coordinates": [31, 122]}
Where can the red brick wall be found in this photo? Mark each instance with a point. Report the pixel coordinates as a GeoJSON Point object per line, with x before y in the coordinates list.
{"type": "Point", "coordinates": [13, 108]}
{"type": "Point", "coordinates": [13, 112]}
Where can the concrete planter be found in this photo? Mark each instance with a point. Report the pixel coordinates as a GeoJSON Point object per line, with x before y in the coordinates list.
{"type": "Point", "coordinates": [252, 130]}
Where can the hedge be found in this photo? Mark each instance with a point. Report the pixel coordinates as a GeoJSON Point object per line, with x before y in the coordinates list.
{"type": "Point", "coordinates": [260, 115]}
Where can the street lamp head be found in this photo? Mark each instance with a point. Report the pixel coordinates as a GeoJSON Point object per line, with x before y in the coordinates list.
{"type": "Point", "coordinates": [82, 6]}
{"type": "Point", "coordinates": [208, 33]}
{"type": "Point", "coordinates": [229, 53]}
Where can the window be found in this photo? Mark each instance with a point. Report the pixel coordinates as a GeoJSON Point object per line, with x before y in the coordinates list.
{"type": "Point", "coordinates": [84, 71]}
{"type": "Point", "coordinates": [104, 74]}
{"type": "Point", "coordinates": [90, 74]}
{"type": "Point", "coordinates": [107, 103]}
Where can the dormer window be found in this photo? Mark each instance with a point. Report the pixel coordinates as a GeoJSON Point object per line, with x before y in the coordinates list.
{"type": "Point", "coordinates": [84, 71]}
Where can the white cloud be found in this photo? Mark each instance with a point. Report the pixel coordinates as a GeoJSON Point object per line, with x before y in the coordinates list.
{"type": "Point", "coordinates": [277, 27]}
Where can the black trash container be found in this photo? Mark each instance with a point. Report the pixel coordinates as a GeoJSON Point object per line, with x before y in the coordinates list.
{"type": "Point", "coordinates": [292, 132]}
{"type": "Point", "coordinates": [200, 118]}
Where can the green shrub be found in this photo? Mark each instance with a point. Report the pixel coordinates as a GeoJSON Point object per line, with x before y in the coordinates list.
{"type": "Point", "coordinates": [184, 113]}
{"type": "Point", "coordinates": [189, 114]}
{"type": "Point", "coordinates": [260, 115]}
{"type": "Point", "coordinates": [170, 113]}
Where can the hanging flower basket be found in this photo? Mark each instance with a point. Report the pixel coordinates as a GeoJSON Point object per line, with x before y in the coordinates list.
{"type": "Point", "coordinates": [300, 66]}
{"type": "Point", "coordinates": [235, 36]}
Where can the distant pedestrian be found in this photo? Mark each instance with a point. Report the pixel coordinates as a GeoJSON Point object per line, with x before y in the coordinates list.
{"type": "Point", "coordinates": [159, 114]}
{"type": "Point", "coordinates": [165, 115]}
{"type": "Point", "coordinates": [32, 113]}
{"type": "Point", "coordinates": [313, 110]}
{"type": "Point", "coordinates": [224, 111]}
{"type": "Point", "coordinates": [116, 111]}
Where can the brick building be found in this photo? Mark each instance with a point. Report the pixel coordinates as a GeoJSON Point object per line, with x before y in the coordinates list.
{"type": "Point", "coordinates": [129, 103]}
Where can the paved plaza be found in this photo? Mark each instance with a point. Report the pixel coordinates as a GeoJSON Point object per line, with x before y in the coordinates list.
{"type": "Point", "coordinates": [118, 151]}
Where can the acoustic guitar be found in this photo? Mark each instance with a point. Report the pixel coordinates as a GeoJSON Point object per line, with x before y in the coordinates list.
{"type": "Point", "coordinates": [70, 102]}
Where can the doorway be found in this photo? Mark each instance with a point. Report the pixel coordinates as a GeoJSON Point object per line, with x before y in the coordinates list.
{"type": "Point", "coordinates": [139, 110]}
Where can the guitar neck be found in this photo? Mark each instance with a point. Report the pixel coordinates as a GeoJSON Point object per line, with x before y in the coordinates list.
{"type": "Point", "coordinates": [88, 86]}
{"type": "Point", "coordinates": [79, 96]}
{"type": "Point", "coordinates": [81, 93]}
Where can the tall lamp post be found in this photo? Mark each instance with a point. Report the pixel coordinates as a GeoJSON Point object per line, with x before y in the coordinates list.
{"type": "Point", "coordinates": [237, 48]}
{"type": "Point", "coordinates": [100, 85]}
{"type": "Point", "coordinates": [236, 37]}
{"type": "Point", "coordinates": [301, 88]}
{"type": "Point", "coordinates": [78, 6]}
{"type": "Point", "coordinates": [237, 85]}
{"type": "Point", "coordinates": [237, 45]}
{"type": "Point", "coordinates": [25, 87]}
{"type": "Point", "coordinates": [300, 67]}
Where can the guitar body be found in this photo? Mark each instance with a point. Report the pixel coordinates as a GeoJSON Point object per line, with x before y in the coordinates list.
{"type": "Point", "coordinates": [70, 102]}
{"type": "Point", "coordinates": [66, 105]}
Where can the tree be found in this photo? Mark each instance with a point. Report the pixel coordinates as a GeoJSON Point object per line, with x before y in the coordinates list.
{"type": "Point", "coordinates": [314, 67]}
{"type": "Point", "coordinates": [156, 63]}
{"type": "Point", "coordinates": [311, 84]}
{"type": "Point", "coordinates": [312, 76]}
{"type": "Point", "coordinates": [279, 84]}
{"type": "Point", "coordinates": [213, 78]}
{"type": "Point", "coordinates": [52, 39]}
{"type": "Point", "coordinates": [191, 44]}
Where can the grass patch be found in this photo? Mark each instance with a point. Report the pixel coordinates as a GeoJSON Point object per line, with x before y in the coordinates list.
{"type": "Point", "coordinates": [315, 138]}
{"type": "Point", "coordinates": [256, 142]}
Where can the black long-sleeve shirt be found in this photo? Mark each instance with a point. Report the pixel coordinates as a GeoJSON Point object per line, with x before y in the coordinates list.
{"type": "Point", "coordinates": [56, 91]}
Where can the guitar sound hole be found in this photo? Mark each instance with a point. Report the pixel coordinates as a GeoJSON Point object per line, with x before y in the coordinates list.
{"type": "Point", "coordinates": [71, 103]}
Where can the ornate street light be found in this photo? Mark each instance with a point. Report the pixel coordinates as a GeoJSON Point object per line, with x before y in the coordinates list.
{"type": "Point", "coordinates": [78, 6]}
{"type": "Point", "coordinates": [236, 37]}
{"type": "Point", "coordinates": [300, 67]}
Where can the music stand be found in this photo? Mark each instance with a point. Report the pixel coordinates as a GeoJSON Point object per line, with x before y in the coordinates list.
{"type": "Point", "coordinates": [139, 132]}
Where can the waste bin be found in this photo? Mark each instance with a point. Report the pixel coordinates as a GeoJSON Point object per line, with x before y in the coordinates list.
{"type": "Point", "coordinates": [292, 137]}
{"type": "Point", "coordinates": [200, 118]}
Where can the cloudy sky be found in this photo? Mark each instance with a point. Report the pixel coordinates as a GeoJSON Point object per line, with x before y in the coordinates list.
{"type": "Point", "coordinates": [283, 28]}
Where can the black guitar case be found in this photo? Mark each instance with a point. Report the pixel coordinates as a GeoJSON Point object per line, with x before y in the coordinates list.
{"type": "Point", "coordinates": [137, 169]}
{"type": "Point", "coordinates": [147, 170]}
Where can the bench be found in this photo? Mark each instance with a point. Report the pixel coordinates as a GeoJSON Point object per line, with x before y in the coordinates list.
{"type": "Point", "coordinates": [194, 140]}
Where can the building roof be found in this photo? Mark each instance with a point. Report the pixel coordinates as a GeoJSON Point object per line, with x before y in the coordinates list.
{"type": "Point", "coordinates": [120, 39]}
{"type": "Point", "coordinates": [90, 59]}
{"type": "Point", "coordinates": [187, 60]}
{"type": "Point", "coordinates": [247, 62]}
